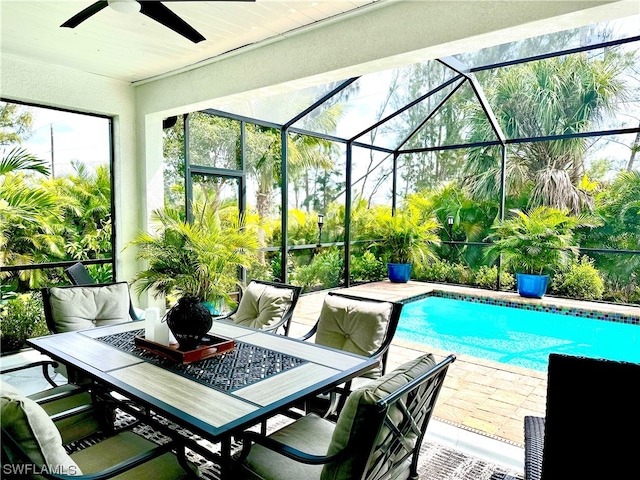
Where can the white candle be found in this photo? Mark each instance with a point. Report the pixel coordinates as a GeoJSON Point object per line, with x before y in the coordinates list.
{"type": "Point", "coordinates": [150, 319]}
{"type": "Point", "coordinates": [161, 332]}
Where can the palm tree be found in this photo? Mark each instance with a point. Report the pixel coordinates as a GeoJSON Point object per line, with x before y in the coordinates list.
{"type": "Point", "coordinates": [556, 96]}
{"type": "Point", "coordinates": [24, 212]}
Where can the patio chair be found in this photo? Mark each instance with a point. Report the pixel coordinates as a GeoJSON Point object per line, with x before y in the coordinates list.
{"type": "Point", "coordinates": [590, 421]}
{"type": "Point", "coordinates": [34, 440]}
{"type": "Point", "coordinates": [378, 434]}
{"type": "Point", "coordinates": [360, 325]}
{"type": "Point", "coordinates": [79, 275]}
{"type": "Point", "coordinates": [265, 306]}
{"type": "Point", "coordinates": [79, 307]}
{"type": "Point", "coordinates": [63, 398]}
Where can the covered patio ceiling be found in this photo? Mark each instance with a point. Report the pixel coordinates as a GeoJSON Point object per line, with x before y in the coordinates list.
{"type": "Point", "coordinates": [132, 47]}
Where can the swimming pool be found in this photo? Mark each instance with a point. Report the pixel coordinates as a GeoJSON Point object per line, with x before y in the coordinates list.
{"type": "Point", "coordinates": [513, 335]}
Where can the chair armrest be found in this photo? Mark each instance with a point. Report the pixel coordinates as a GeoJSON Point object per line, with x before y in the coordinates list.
{"type": "Point", "coordinates": [533, 447]}
{"type": "Point", "coordinates": [42, 363]}
{"type": "Point", "coordinates": [310, 333]}
{"type": "Point", "coordinates": [251, 438]}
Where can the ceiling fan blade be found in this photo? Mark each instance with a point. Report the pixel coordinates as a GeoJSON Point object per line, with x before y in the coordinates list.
{"type": "Point", "coordinates": [77, 19]}
{"type": "Point", "coordinates": [161, 14]}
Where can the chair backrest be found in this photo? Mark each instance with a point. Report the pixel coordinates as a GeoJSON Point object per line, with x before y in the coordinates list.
{"type": "Point", "coordinates": [360, 325]}
{"type": "Point", "coordinates": [382, 425]}
{"type": "Point", "coordinates": [591, 407]}
{"type": "Point", "coordinates": [267, 305]}
{"type": "Point", "coordinates": [79, 275]}
{"type": "Point", "coordinates": [78, 307]}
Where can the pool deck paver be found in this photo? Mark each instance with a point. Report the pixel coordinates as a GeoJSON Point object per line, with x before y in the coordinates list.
{"type": "Point", "coordinates": [478, 395]}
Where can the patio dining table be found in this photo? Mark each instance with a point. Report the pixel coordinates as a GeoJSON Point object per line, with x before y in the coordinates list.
{"type": "Point", "coordinates": [214, 398]}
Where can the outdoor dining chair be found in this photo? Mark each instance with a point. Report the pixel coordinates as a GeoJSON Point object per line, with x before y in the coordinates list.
{"type": "Point", "coordinates": [266, 306]}
{"type": "Point", "coordinates": [377, 435]}
{"type": "Point", "coordinates": [79, 275]}
{"type": "Point", "coordinates": [359, 325]}
{"type": "Point", "coordinates": [590, 421]}
{"type": "Point", "coordinates": [34, 441]}
{"type": "Point", "coordinates": [65, 397]}
{"type": "Point", "coordinates": [80, 307]}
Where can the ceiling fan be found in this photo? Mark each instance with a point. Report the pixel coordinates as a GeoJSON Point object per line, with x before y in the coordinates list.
{"type": "Point", "coordinates": [153, 9]}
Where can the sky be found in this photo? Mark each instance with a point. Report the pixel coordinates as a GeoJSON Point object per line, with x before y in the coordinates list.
{"type": "Point", "coordinates": [75, 137]}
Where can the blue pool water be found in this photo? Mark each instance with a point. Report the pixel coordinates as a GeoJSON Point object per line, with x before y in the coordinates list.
{"type": "Point", "coordinates": [513, 335]}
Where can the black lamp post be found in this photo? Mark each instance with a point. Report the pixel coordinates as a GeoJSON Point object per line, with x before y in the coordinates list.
{"type": "Point", "coordinates": [320, 224]}
{"type": "Point", "coordinates": [450, 223]}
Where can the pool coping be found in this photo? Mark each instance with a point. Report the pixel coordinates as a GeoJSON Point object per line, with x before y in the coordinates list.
{"type": "Point", "coordinates": [549, 305]}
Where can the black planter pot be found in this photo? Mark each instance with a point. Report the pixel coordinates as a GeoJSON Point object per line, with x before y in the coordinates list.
{"type": "Point", "coordinates": [189, 320]}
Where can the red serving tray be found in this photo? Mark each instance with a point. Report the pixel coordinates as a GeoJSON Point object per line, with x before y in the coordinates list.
{"type": "Point", "coordinates": [211, 345]}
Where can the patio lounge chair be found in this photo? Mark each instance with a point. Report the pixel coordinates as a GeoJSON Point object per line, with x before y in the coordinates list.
{"type": "Point", "coordinates": [591, 420]}
{"type": "Point", "coordinates": [34, 440]}
{"type": "Point", "coordinates": [265, 306]}
{"type": "Point", "coordinates": [377, 435]}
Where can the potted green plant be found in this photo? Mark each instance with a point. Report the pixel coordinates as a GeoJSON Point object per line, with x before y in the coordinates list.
{"type": "Point", "coordinates": [406, 239]}
{"type": "Point", "coordinates": [197, 261]}
{"type": "Point", "coordinates": [536, 244]}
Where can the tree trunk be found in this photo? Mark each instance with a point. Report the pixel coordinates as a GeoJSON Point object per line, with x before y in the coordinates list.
{"type": "Point", "coordinates": [634, 149]}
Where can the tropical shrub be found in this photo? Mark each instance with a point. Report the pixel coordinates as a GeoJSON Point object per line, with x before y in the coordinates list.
{"type": "Point", "coordinates": [406, 237]}
{"type": "Point", "coordinates": [487, 277]}
{"type": "Point", "coordinates": [21, 317]}
{"type": "Point", "coordinates": [367, 267]}
{"type": "Point", "coordinates": [581, 281]}
{"type": "Point", "coordinates": [326, 270]}
{"type": "Point", "coordinates": [435, 271]}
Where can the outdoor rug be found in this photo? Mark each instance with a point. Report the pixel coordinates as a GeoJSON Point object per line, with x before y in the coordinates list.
{"type": "Point", "coordinates": [436, 462]}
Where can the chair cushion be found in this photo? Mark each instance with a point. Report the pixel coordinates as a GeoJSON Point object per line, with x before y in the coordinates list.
{"type": "Point", "coordinates": [356, 326]}
{"type": "Point", "coordinates": [360, 420]}
{"type": "Point", "coordinates": [82, 307]}
{"type": "Point", "coordinates": [34, 431]}
{"type": "Point", "coordinates": [124, 446]}
{"type": "Point", "coordinates": [310, 434]}
{"type": "Point", "coordinates": [262, 305]}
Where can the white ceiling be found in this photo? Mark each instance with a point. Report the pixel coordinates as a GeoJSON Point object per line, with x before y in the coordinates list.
{"type": "Point", "coordinates": [133, 47]}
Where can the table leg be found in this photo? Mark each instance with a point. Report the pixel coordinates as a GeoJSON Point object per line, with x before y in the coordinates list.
{"type": "Point", "coordinates": [225, 458]}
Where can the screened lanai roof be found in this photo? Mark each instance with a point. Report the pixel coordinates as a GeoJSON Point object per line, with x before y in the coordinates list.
{"type": "Point", "coordinates": [388, 110]}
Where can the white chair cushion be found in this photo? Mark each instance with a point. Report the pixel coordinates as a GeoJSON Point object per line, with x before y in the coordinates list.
{"type": "Point", "coordinates": [83, 307]}
{"type": "Point", "coordinates": [360, 412]}
{"type": "Point", "coordinates": [355, 326]}
{"type": "Point", "coordinates": [262, 305]}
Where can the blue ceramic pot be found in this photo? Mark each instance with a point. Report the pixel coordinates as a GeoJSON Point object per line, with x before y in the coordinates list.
{"type": "Point", "coordinates": [532, 286]}
{"type": "Point", "coordinates": [399, 272]}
